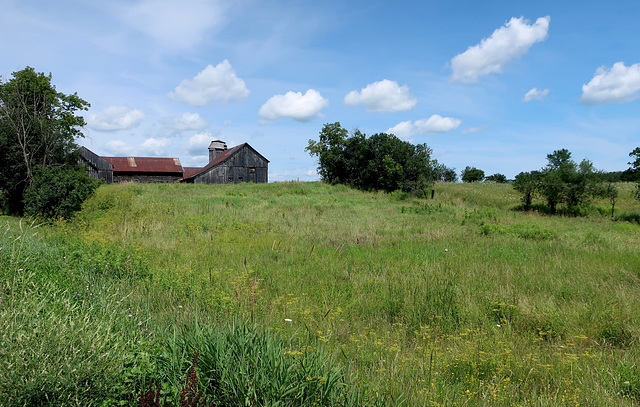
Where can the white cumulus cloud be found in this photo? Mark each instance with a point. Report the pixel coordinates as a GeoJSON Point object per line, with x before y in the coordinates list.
{"type": "Point", "coordinates": [199, 143]}
{"type": "Point", "coordinates": [620, 84]}
{"type": "Point", "coordinates": [505, 44]}
{"type": "Point", "coordinates": [120, 148]}
{"type": "Point", "coordinates": [213, 83]}
{"type": "Point", "coordinates": [294, 105]}
{"type": "Point", "coordinates": [153, 147]}
{"type": "Point", "coordinates": [188, 121]}
{"type": "Point", "coordinates": [174, 23]}
{"type": "Point", "coordinates": [435, 124]}
{"type": "Point", "coordinates": [535, 94]}
{"type": "Point", "coordinates": [383, 97]}
{"type": "Point", "coordinates": [115, 118]}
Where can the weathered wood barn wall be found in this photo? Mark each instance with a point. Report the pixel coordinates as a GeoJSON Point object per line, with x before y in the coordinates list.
{"type": "Point", "coordinates": [97, 167]}
{"type": "Point", "coordinates": [231, 166]}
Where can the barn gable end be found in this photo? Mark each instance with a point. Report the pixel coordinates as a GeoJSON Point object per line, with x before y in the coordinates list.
{"type": "Point", "coordinates": [236, 165]}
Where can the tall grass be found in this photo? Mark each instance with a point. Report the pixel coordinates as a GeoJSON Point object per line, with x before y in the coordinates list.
{"type": "Point", "coordinates": [455, 300]}
{"type": "Point", "coordinates": [65, 333]}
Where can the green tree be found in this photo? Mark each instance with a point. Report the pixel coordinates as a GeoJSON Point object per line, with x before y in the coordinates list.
{"type": "Point", "coordinates": [497, 177]}
{"type": "Point", "coordinates": [552, 188]}
{"type": "Point", "coordinates": [472, 174]}
{"type": "Point", "coordinates": [559, 159]}
{"type": "Point", "coordinates": [38, 128]}
{"type": "Point", "coordinates": [444, 173]}
{"type": "Point", "coordinates": [611, 193]}
{"type": "Point", "coordinates": [635, 167]}
{"type": "Point", "coordinates": [565, 181]}
{"type": "Point", "coordinates": [329, 149]}
{"type": "Point", "coordinates": [528, 184]}
{"type": "Point", "coordinates": [635, 155]}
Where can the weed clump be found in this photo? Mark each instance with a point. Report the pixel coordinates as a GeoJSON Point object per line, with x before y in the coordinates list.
{"type": "Point", "coordinates": [523, 231]}
{"type": "Point", "coordinates": [241, 364]}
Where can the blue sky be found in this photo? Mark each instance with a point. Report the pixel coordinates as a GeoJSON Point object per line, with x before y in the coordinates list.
{"type": "Point", "coordinates": [492, 84]}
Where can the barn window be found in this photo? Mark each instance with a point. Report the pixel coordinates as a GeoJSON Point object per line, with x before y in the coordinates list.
{"type": "Point", "coordinates": [252, 170]}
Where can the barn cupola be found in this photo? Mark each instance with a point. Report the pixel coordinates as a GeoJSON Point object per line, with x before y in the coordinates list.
{"type": "Point", "coordinates": [216, 148]}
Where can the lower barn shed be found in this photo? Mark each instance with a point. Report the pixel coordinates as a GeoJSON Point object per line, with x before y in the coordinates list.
{"type": "Point", "coordinates": [150, 170]}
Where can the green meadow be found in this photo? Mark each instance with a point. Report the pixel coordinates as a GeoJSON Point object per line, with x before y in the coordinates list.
{"type": "Point", "coordinates": [310, 294]}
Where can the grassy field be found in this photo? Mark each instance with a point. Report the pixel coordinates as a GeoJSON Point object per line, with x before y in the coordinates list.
{"type": "Point", "coordinates": [330, 296]}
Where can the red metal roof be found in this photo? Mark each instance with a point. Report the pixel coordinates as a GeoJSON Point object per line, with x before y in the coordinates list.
{"type": "Point", "coordinates": [190, 171]}
{"type": "Point", "coordinates": [145, 164]}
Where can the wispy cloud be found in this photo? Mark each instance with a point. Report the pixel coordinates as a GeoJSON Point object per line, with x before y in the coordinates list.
{"type": "Point", "coordinates": [176, 24]}
{"type": "Point", "coordinates": [535, 94]}
{"type": "Point", "coordinates": [471, 130]}
{"type": "Point", "coordinates": [506, 43]}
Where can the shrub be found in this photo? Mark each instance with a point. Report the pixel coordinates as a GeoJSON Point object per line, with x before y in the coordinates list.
{"type": "Point", "coordinates": [57, 192]}
{"type": "Point", "coordinates": [497, 177]}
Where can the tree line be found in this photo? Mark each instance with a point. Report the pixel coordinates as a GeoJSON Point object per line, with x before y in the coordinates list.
{"type": "Point", "coordinates": [384, 162]}
{"type": "Point", "coordinates": [565, 182]}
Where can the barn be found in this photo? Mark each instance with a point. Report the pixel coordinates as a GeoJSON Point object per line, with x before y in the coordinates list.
{"type": "Point", "coordinates": [230, 166]}
{"type": "Point", "coordinates": [226, 166]}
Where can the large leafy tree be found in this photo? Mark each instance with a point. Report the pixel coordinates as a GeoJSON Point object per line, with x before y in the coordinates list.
{"type": "Point", "coordinates": [471, 174]}
{"type": "Point", "coordinates": [528, 184]}
{"type": "Point", "coordinates": [329, 149]}
{"type": "Point", "coordinates": [38, 128]}
{"type": "Point", "coordinates": [381, 161]}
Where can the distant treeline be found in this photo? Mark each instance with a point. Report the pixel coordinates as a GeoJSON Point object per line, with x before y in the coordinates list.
{"type": "Point", "coordinates": [629, 175]}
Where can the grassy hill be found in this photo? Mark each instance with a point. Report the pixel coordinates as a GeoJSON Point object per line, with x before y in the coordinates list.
{"type": "Point", "coordinates": [304, 293]}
